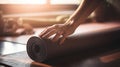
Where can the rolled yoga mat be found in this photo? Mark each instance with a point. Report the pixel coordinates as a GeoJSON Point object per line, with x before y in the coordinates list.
{"type": "Point", "coordinates": [41, 50]}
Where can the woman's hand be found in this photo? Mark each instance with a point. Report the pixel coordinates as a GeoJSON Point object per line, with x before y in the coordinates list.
{"type": "Point", "coordinates": [60, 30]}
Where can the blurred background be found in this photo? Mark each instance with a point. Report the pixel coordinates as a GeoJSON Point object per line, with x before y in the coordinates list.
{"type": "Point", "coordinates": [38, 13]}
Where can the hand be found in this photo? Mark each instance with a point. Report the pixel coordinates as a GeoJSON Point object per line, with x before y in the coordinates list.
{"type": "Point", "coordinates": [60, 30]}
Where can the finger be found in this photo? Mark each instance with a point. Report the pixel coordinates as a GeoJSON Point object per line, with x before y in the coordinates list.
{"type": "Point", "coordinates": [62, 40]}
{"type": "Point", "coordinates": [45, 31]}
{"type": "Point", "coordinates": [50, 33]}
{"type": "Point", "coordinates": [57, 36]}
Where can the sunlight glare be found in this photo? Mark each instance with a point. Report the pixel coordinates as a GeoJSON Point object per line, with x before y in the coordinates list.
{"type": "Point", "coordinates": [65, 1]}
{"type": "Point", "coordinates": [23, 1]}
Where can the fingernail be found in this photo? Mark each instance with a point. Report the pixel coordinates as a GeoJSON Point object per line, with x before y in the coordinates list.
{"type": "Point", "coordinates": [42, 36]}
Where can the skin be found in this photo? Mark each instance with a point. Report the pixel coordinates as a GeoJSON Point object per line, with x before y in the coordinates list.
{"type": "Point", "coordinates": [62, 31]}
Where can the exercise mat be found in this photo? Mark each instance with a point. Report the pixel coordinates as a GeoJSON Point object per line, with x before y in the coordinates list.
{"type": "Point", "coordinates": [41, 50]}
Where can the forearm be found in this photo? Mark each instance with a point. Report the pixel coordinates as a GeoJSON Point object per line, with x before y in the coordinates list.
{"type": "Point", "coordinates": [83, 11]}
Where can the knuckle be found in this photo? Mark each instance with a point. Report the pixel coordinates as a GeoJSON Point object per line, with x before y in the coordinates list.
{"type": "Point", "coordinates": [48, 29]}
{"type": "Point", "coordinates": [55, 25]}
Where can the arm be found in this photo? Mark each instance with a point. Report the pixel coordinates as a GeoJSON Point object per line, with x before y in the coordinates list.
{"type": "Point", "coordinates": [78, 17]}
{"type": "Point", "coordinates": [83, 11]}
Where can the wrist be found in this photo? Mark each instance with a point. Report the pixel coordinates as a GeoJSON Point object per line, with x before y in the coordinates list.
{"type": "Point", "coordinates": [71, 24]}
